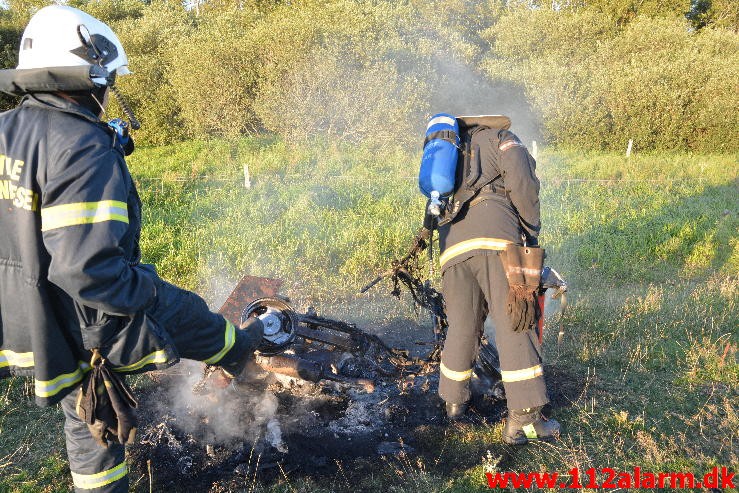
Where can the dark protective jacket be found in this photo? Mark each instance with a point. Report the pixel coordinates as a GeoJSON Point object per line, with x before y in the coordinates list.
{"type": "Point", "coordinates": [70, 277]}
{"type": "Point", "coordinates": [504, 211]}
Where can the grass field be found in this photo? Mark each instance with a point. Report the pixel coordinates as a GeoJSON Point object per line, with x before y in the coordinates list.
{"type": "Point", "coordinates": [648, 244]}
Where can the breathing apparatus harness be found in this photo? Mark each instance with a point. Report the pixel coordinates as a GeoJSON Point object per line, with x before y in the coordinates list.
{"type": "Point", "coordinates": [476, 180]}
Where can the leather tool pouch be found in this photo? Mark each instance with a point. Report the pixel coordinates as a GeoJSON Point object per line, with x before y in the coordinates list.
{"type": "Point", "coordinates": [523, 267]}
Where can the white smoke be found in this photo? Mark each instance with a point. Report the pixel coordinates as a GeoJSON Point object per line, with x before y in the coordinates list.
{"type": "Point", "coordinates": [466, 91]}
{"type": "Point", "coordinates": [274, 435]}
{"type": "Point", "coordinates": [219, 416]}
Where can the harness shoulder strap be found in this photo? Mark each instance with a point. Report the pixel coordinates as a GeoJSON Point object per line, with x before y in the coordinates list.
{"type": "Point", "coordinates": [472, 167]}
{"type": "Point", "coordinates": [447, 135]}
{"type": "Point", "coordinates": [479, 168]}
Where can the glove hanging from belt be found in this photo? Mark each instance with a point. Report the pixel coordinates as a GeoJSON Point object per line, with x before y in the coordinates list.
{"type": "Point", "coordinates": [106, 403]}
{"type": "Point", "coordinates": [523, 265]}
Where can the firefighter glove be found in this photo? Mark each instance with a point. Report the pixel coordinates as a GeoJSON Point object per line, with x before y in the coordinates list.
{"type": "Point", "coordinates": [523, 267]}
{"type": "Point", "coordinates": [106, 403]}
{"type": "Point", "coordinates": [248, 339]}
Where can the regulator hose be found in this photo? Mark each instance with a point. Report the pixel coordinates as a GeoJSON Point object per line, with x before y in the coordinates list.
{"type": "Point", "coordinates": [135, 124]}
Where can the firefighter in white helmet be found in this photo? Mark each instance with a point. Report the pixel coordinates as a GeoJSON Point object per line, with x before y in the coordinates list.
{"type": "Point", "coordinates": [78, 307]}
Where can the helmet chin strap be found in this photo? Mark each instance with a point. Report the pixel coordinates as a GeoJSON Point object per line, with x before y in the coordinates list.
{"type": "Point", "coordinates": [102, 107]}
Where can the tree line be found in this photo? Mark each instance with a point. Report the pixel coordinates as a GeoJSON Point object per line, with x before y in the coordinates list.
{"type": "Point", "coordinates": [588, 73]}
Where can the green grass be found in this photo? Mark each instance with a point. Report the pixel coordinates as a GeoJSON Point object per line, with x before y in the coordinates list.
{"type": "Point", "coordinates": [32, 454]}
{"type": "Point", "coordinates": [649, 246]}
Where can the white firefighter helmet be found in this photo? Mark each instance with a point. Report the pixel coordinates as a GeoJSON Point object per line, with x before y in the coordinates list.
{"type": "Point", "coordinates": [61, 36]}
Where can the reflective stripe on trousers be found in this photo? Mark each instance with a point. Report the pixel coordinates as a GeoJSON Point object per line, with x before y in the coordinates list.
{"type": "Point", "coordinates": [457, 376]}
{"type": "Point", "coordinates": [98, 480]}
{"type": "Point", "coordinates": [521, 375]}
{"type": "Point", "coordinates": [472, 289]}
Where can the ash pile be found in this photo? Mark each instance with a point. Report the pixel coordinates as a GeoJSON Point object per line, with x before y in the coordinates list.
{"type": "Point", "coordinates": [326, 395]}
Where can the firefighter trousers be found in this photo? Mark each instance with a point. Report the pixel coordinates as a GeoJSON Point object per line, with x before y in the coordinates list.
{"type": "Point", "coordinates": [473, 289]}
{"type": "Point", "coordinates": [197, 334]}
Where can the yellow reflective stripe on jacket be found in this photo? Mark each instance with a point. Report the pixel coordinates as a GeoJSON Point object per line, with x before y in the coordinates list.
{"type": "Point", "coordinates": [91, 481]}
{"type": "Point", "coordinates": [473, 244]}
{"type": "Point", "coordinates": [59, 216]}
{"type": "Point", "coordinates": [525, 374]}
{"type": "Point", "coordinates": [230, 340]}
{"type": "Point", "coordinates": [48, 388]}
{"type": "Point", "coordinates": [153, 358]}
{"type": "Point", "coordinates": [457, 376]}
{"type": "Point", "coordinates": [11, 358]}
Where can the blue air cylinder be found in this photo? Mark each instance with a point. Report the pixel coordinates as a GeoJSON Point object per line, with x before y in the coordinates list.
{"type": "Point", "coordinates": [439, 161]}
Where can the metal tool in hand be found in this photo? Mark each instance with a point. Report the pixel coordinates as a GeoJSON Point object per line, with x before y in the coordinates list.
{"type": "Point", "coordinates": [550, 279]}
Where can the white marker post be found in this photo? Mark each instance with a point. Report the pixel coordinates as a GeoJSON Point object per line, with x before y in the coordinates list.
{"type": "Point", "coordinates": [534, 150]}
{"type": "Point", "coordinates": [247, 178]}
{"type": "Point", "coordinates": [628, 148]}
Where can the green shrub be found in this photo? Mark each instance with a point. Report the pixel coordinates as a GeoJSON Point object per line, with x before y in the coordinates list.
{"type": "Point", "coordinates": [343, 73]}
{"type": "Point", "coordinates": [597, 87]}
{"type": "Point", "coordinates": [111, 11]}
{"type": "Point", "coordinates": [213, 74]}
{"type": "Point", "coordinates": [365, 102]}
{"type": "Point", "coordinates": [147, 41]}
{"type": "Point", "coordinates": [10, 38]}
{"type": "Point", "coordinates": [593, 75]}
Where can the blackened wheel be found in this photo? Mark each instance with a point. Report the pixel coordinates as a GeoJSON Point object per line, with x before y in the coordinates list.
{"type": "Point", "coordinates": [279, 320]}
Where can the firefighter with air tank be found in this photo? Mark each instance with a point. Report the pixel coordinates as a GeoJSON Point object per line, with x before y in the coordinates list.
{"type": "Point", "coordinates": [79, 309]}
{"type": "Point", "coordinates": [483, 190]}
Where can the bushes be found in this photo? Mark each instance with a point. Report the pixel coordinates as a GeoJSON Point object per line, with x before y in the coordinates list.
{"type": "Point", "coordinates": [148, 40]}
{"type": "Point", "coordinates": [333, 95]}
{"type": "Point", "coordinates": [593, 76]}
{"type": "Point", "coordinates": [351, 82]}
{"type": "Point", "coordinates": [656, 81]}
{"type": "Point", "coordinates": [213, 75]}
{"type": "Point", "coordinates": [10, 36]}
{"type": "Point", "coordinates": [661, 91]}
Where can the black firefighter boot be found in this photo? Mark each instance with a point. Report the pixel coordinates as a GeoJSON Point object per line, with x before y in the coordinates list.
{"type": "Point", "coordinates": [523, 425]}
{"type": "Point", "coordinates": [455, 412]}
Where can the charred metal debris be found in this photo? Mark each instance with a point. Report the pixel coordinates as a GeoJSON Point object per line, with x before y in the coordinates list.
{"type": "Point", "coordinates": [213, 437]}
{"type": "Point", "coordinates": [314, 348]}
